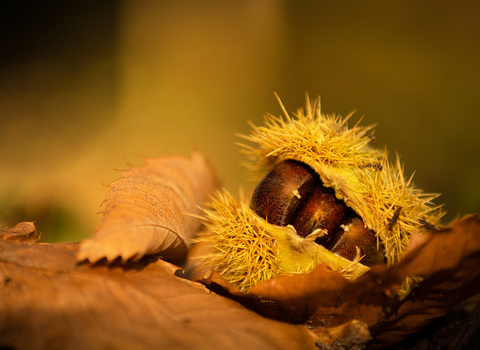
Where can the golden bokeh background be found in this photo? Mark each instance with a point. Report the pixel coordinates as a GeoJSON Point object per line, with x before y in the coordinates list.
{"type": "Point", "coordinates": [86, 85]}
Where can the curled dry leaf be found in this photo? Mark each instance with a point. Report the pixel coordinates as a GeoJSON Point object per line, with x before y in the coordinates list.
{"type": "Point", "coordinates": [48, 301]}
{"type": "Point", "coordinates": [22, 232]}
{"type": "Point", "coordinates": [448, 260]}
{"type": "Point", "coordinates": [147, 211]}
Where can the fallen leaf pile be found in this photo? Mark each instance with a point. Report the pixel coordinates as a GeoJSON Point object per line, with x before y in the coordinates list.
{"type": "Point", "coordinates": [116, 291]}
{"type": "Point", "coordinates": [48, 301]}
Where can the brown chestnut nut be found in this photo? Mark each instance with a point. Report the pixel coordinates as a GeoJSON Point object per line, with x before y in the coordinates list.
{"type": "Point", "coordinates": [321, 211]}
{"type": "Point", "coordinates": [283, 190]}
{"type": "Point", "coordinates": [293, 194]}
{"type": "Point", "coordinates": [352, 235]}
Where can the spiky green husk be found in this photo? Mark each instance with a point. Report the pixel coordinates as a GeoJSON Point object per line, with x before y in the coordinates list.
{"type": "Point", "coordinates": [360, 175]}
{"type": "Point", "coordinates": [248, 250]}
{"type": "Point", "coordinates": [243, 253]}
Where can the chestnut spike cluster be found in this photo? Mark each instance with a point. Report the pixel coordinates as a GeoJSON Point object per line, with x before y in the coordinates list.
{"type": "Point", "coordinates": [292, 194]}
{"type": "Point", "coordinates": [328, 197]}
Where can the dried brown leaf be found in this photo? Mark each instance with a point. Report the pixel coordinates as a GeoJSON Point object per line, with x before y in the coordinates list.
{"type": "Point", "coordinates": [448, 260]}
{"type": "Point", "coordinates": [22, 232]}
{"type": "Point", "coordinates": [353, 335]}
{"type": "Point", "coordinates": [48, 301]}
{"type": "Point", "coordinates": [147, 211]}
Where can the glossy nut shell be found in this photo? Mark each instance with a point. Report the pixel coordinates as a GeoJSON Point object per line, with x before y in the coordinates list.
{"type": "Point", "coordinates": [292, 194]}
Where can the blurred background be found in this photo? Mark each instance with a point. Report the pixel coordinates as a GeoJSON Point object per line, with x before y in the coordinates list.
{"type": "Point", "coordinates": [86, 85]}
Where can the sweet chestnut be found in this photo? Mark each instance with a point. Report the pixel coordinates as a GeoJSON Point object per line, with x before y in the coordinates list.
{"type": "Point", "coordinates": [282, 192]}
{"type": "Point", "coordinates": [292, 194]}
{"type": "Point", "coordinates": [353, 235]}
{"type": "Point", "coordinates": [328, 197]}
{"type": "Point", "coordinates": [321, 211]}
